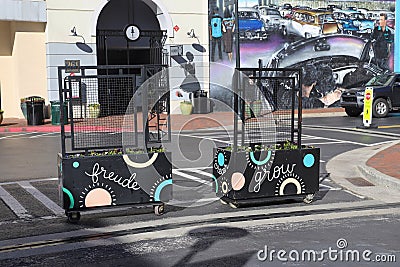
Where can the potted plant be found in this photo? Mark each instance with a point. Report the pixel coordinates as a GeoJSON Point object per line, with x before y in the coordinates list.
{"type": "Point", "coordinates": [186, 107]}
{"type": "Point", "coordinates": [1, 115]}
{"type": "Point", "coordinates": [262, 171]}
{"type": "Point", "coordinates": [94, 110]}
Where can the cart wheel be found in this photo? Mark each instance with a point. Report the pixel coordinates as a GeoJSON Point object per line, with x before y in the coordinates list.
{"type": "Point", "coordinates": [158, 209]}
{"type": "Point", "coordinates": [73, 216]}
{"type": "Point", "coordinates": [223, 202]}
{"type": "Point", "coordinates": [233, 205]}
{"type": "Point", "coordinates": [308, 198]}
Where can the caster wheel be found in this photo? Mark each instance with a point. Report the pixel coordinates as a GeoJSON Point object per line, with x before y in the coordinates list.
{"type": "Point", "coordinates": [73, 216]}
{"type": "Point", "coordinates": [233, 205]}
{"type": "Point", "coordinates": [223, 202]}
{"type": "Point", "coordinates": [158, 209]}
{"type": "Point", "coordinates": [308, 198]}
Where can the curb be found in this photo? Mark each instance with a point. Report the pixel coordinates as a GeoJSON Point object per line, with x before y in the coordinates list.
{"type": "Point", "coordinates": [37, 129]}
{"type": "Point", "coordinates": [377, 177]}
{"type": "Point", "coordinates": [352, 164]}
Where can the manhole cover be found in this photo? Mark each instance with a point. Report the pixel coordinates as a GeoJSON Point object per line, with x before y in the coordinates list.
{"type": "Point", "coordinates": [358, 181]}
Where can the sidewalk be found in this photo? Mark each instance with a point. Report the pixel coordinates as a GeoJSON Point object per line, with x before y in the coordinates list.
{"type": "Point", "coordinates": [370, 171]}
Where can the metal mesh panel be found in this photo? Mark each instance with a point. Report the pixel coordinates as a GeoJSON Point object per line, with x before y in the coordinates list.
{"type": "Point", "coordinates": [268, 107]}
{"type": "Point", "coordinates": [101, 115]}
{"type": "Point", "coordinates": [98, 113]}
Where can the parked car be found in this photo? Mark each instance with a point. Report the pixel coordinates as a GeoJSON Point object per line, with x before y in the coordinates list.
{"type": "Point", "coordinates": [364, 25]}
{"type": "Point", "coordinates": [251, 26]}
{"type": "Point", "coordinates": [390, 22]}
{"type": "Point", "coordinates": [310, 23]}
{"type": "Point", "coordinates": [271, 17]}
{"type": "Point", "coordinates": [345, 24]}
{"type": "Point", "coordinates": [386, 88]}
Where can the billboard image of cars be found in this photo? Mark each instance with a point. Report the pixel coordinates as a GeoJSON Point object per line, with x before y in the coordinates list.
{"type": "Point", "coordinates": [345, 45]}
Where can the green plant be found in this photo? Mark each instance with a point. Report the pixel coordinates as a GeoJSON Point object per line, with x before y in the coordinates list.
{"type": "Point", "coordinates": [1, 111]}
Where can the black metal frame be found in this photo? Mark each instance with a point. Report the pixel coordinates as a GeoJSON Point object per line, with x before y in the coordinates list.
{"type": "Point", "coordinates": [138, 74]}
{"type": "Point", "coordinates": [260, 75]}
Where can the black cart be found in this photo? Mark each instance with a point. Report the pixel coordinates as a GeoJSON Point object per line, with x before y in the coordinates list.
{"type": "Point", "coordinates": [267, 160]}
{"type": "Point", "coordinates": [110, 152]}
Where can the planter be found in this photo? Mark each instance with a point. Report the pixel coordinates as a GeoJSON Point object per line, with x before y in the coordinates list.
{"type": "Point", "coordinates": [241, 176]}
{"type": "Point", "coordinates": [94, 110]}
{"type": "Point", "coordinates": [88, 182]}
{"type": "Point", "coordinates": [186, 108]}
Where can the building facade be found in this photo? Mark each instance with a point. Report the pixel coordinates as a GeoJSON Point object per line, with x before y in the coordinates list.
{"type": "Point", "coordinates": [37, 36]}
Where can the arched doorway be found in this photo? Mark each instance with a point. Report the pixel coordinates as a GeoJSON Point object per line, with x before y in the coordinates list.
{"type": "Point", "coordinates": [114, 48]}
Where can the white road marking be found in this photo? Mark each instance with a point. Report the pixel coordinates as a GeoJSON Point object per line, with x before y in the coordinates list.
{"type": "Point", "coordinates": [30, 181]}
{"type": "Point", "coordinates": [354, 194]}
{"type": "Point", "coordinates": [191, 177]}
{"type": "Point", "coordinates": [204, 138]}
{"type": "Point", "coordinates": [16, 135]}
{"type": "Point", "coordinates": [204, 173]}
{"type": "Point", "coordinates": [42, 135]}
{"type": "Point", "coordinates": [14, 205]}
{"type": "Point", "coordinates": [47, 202]}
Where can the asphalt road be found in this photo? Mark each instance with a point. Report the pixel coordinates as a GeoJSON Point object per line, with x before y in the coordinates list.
{"type": "Point", "coordinates": [197, 235]}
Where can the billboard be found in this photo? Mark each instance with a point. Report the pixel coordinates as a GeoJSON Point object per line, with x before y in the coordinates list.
{"type": "Point", "coordinates": [338, 44]}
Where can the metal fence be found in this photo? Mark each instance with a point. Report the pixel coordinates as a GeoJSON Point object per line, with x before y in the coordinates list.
{"type": "Point", "coordinates": [268, 107]}
{"type": "Point", "coordinates": [100, 111]}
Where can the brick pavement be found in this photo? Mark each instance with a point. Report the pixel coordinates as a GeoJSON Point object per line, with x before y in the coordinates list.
{"type": "Point", "coordinates": [387, 161]}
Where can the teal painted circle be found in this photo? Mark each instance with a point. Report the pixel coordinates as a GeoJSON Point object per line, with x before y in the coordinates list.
{"type": "Point", "coordinates": [260, 162]}
{"type": "Point", "coordinates": [75, 164]}
{"type": "Point", "coordinates": [309, 160]}
{"type": "Point", "coordinates": [221, 159]}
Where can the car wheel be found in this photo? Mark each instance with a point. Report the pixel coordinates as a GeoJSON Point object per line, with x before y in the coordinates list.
{"type": "Point", "coordinates": [353, 112]}
{"type": "Point", "coordinates": [380, 108]}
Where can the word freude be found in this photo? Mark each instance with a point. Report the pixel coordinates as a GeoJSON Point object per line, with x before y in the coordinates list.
{"type": "Point", "coordinates": [100, 172]}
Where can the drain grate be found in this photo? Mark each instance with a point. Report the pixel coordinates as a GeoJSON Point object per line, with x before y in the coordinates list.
{"type": "Point", "coordinates": [358, 181]}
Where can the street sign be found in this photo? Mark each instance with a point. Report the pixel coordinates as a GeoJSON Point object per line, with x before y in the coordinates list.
{"type": "Point", "coordinates": [368, 99]}
{"type": "Point", "coordinates": [72, 66]}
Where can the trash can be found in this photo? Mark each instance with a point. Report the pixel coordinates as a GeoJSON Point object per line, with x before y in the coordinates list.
{"type": "Point", "coordinates": [56, 113]}
{"type": "Point", "coordinates": [201, 103]}
{"type": "Point", "coordinates": [34, 110]}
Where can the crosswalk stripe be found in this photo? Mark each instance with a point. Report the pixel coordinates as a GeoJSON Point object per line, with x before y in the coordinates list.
{"type": "Point", "coordinates": [203, 173]}
{"type": "Point", "coordinates": [14, 205]}
{"type": "Point", "coordinates": [191, 177]}
{"type": "Point", "coordinates": [16, 135]}
{"type": "Point", "coordinates": [47, 202]}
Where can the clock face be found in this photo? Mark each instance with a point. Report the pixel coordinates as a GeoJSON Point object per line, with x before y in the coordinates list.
{"type": "Point", "coordinates": [132, 32]}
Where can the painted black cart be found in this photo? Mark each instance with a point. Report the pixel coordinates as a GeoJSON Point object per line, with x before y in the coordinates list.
{"type": "Point", "coordinates": [110, 148]}
{"type": "Point", "coordinates": [267, 159]}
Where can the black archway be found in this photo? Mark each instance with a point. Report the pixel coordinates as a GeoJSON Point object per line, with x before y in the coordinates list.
{"type": "Point", "coordinates": [113, 48]}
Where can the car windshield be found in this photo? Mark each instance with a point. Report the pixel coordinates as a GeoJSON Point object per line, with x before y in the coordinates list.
{"type": "Point", "coordinates": [356, 16]}
{"type": "Point", "coordinates": [390, 16]}
{"type": "Point", "coordinates": [273, 12]}
{"type": "Point", "coordinates": [326, 18]}
{"type": "Point", "coordinates": [248, 15]}
{"type": "Point", "coordinates": [380, 80]}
